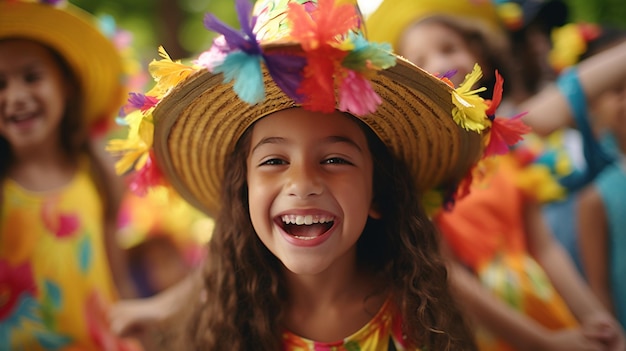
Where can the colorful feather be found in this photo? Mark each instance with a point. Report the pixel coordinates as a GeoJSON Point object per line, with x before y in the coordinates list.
{"type": "Point", "coordinates": [357, 96]}
{"type": "Point", "coordinates": [504, 133]}
{"type": "Point", "coordinates": [167, 73]}
{"type": "Point", "coordinates": [147, 177]}
{"type": "Point", "coordinates": [322, 26]}
{"type": "Point", "coordinates": [469, 110]}
{"type": "Point", "coordinates": [245, 70]}
{"type": "Point", "coordinates": [215, 55]}
{"type": "Point", "coordinates": [366, 55]}
{"type": "Point", "coordinates": [244, 40]}
{"type": "Point", "coordinates": [318, 84]}
{"type": "Point", "coordinates": [286, 70]}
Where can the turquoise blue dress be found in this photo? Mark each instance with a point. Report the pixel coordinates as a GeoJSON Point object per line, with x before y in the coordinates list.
{"type": "Point", "coordinates": [598, 154]}
{"type": "Point", "coordinates": [611, 184]}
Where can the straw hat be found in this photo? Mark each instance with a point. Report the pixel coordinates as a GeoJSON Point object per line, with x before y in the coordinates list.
{"type": "Point", "coordinates": [73, 34]}
{"type": "Point", "coordinates": [195, 114]}
{"type": "Point", "coordinates": [392, 17]}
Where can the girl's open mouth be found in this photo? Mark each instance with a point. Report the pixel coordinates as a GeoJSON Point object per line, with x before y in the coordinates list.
{"type": "Point", "coordinates": [306, 227]}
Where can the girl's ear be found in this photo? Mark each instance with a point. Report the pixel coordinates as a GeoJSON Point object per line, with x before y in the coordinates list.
{"type": "Point", "coordinates": [374, 212]}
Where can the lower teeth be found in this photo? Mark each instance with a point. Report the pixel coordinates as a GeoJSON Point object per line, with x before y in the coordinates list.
{"type": "Point", "coordinates": [304, 237]}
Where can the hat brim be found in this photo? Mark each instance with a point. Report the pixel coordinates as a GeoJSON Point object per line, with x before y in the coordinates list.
{"type": "Point", "coordinates": [72, 33]}
{"type": "Point", "coordinates": [198, 124]}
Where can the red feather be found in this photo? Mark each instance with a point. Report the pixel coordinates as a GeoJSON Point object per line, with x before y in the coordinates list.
{"type": "Point", "coordinates": [505, 132]}
{"type": "Point", "coordinates": [318, 85]}
{"type": "Point", "coordinates": [320, 32]}
{"type": "Point", "coordinates": [322, 26]}
{"type": "Point", "coordinates": [497, 95]}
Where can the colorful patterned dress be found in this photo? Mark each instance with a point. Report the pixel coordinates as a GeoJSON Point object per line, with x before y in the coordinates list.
{"type": "Point", "coordinates": [382, 333]}
{"type": "Point", "coordinates": [54, 276]}
{"type": "Point", "coordinates": [486, 233]}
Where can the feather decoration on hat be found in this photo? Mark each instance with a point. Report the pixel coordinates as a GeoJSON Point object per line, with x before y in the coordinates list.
{"type": "Point", "coordinates": [338, 59]}
{"type": "Point", "coordinates": [147, 177]}
{"type": "Point", "coordinates": [317, 32]}
{"type": "Point", "coordinates": [504, 132]}
{"type": "Point", "coordinates": [136, 146]}
{"type": "Point", "coordinates": [366, 56]}
{"type": "Point", "coordinates": [167, 73]}
{"type": "Point", "coordinates": [242, 58]}
{"type": "Point", "coordinates": [469, 110]}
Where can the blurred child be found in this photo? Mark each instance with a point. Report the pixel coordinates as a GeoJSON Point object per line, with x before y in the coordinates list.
{"type": "Point", "coordinates": [163, 236]}
{"type": "Point", "coordinates": [60, 78]}
{"type": "Point", "coordinates": [314, 162]}
{"type": "Point", "coordinates": [601, 208]}
{"type": "Point", "coordinates": [601, 212]}
{"type": "Point", "coordinates": [448, 36]}
{"type": "Point", "coordinates": [529, 24]}
{"type": "Point", "coordinates": [514, 277]}
{"type": "Point", "coordinates": [568, 103]}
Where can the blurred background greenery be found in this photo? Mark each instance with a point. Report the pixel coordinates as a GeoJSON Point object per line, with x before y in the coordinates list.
{"type": "Point", "coordinates": [177, 24]}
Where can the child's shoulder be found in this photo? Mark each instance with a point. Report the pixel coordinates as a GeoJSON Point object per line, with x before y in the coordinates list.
{"type": "Point", "coordinates": [79, 184]}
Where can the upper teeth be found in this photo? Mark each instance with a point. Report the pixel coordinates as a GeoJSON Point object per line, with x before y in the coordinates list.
{"type": "Point", "coordinates": [306, 220]}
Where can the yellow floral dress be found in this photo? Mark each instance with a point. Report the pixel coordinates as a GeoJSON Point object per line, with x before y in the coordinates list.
{"type": "Point", "coordinates": [54, 278]}
{"type": "Point", "coordinates": [382, 333]}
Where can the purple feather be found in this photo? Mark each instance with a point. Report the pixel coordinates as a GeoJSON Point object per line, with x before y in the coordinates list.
{"type": "Point", "coordinates": [136, 100]}
{"type": "Point", "coordinates": [449, 74]}
{"type": "Point", "coordinates": [243, 40]}
{"type": "Point", "coordinates": [286, 71]}
{"type": "Point", "coordinates": [52, 2]}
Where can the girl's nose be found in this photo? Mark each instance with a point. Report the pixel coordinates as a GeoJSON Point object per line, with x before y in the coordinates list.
{"type": "Point", "coordinates": [14, 95]}
{"type": "Point", "coordinates": [304, 181]}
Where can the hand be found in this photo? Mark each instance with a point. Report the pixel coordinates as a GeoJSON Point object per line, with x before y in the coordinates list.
{"type": "Point", "coordinates": [605, 329]}
{"type": "Point", "coordinates": [100, 328]}
{"type": "Point", "coordinates": [571, 340]}
{"type": "Point", "coordinates": [133, 317]}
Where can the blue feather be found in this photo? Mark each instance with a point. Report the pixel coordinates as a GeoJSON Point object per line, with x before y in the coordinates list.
{"type": "Point", "coordinates": [245, 70]}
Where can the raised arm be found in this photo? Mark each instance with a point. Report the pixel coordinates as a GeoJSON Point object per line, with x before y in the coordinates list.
{"type": "Point", "coordinates": [550, 110]}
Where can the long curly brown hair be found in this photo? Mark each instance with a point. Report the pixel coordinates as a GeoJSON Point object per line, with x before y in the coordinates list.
{"type": "Point", "coordinates": [245, 289]}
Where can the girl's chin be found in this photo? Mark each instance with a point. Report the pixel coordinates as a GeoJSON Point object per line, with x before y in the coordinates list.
{"type": "Point", "coordinates": [303, 267]}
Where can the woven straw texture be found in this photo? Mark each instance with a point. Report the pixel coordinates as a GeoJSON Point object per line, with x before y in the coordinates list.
{"type": "Point", "coordinates": [198, 124]}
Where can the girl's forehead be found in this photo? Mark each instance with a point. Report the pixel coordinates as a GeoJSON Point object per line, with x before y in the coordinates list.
{"type": "Point", "coordinates": [21, 46]}
{"type": "Point", "coordinates": [286, 121]}
{"type": "Point", "coordinates": [24, 53]}
{"type": "Point", "coordinates": [296, 124]}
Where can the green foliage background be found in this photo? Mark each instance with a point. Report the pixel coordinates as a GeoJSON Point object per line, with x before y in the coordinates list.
{"type": "Point", "coordinates": [611, 12]}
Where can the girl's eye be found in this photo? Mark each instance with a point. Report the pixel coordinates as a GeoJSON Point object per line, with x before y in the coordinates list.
{"type": "Point", "coordinates": [32, 77]}
{"type": "Point", "coordinates": [336, 160]}
{"type": "Point", "coordinates": [273, 162]}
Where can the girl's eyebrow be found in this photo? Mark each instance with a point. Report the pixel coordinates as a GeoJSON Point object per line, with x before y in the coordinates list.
{"type": "Point", "coordinates": [331, 139]}
{"type": "Point", "coordinates": [269, 140]}
{"type": "Point", "coordinates": [342, 139]}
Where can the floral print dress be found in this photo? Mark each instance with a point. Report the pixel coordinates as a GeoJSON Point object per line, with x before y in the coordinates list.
{"type": "Point", "coordinates": [382, 333]}
{"type": "Point", "coordinates": [54, 277]}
